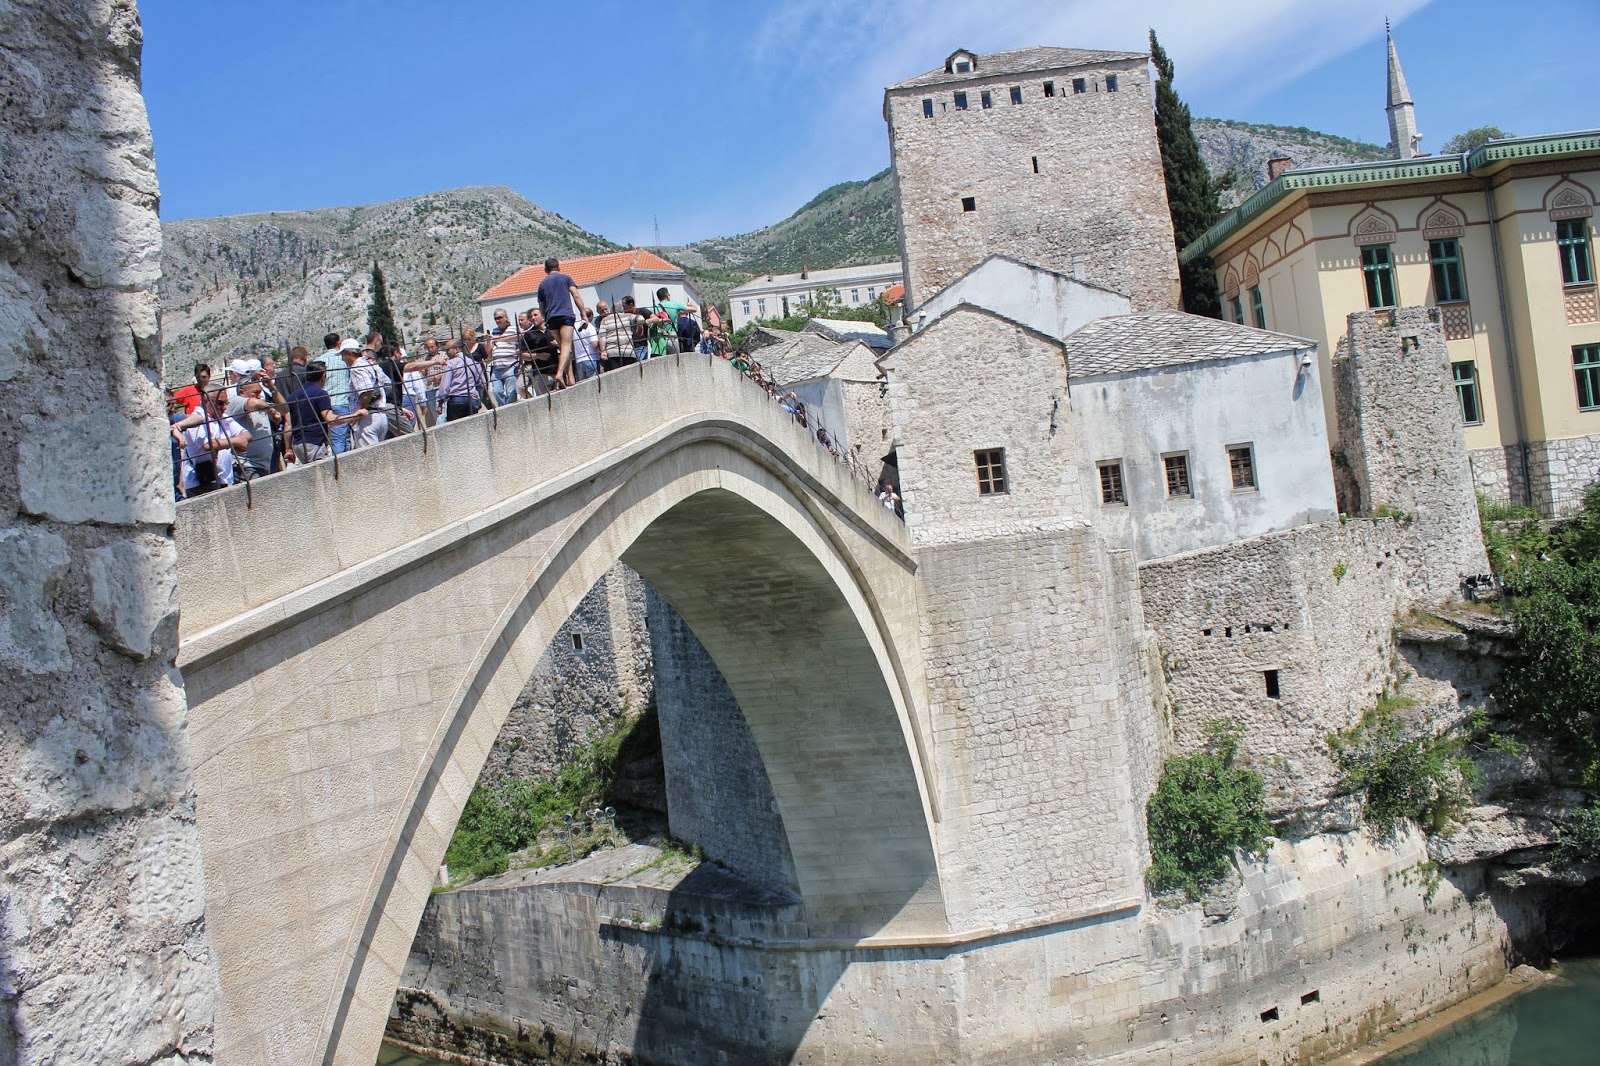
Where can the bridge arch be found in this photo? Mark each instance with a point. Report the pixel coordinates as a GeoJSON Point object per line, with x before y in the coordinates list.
{"type": "Point", "coordinates": [797, 583]}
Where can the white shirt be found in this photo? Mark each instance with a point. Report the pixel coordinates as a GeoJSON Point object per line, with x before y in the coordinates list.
{"type": "Point", "coordinates": [366, 376]}
{"type": "Point", "coordinates": [194, 448]}
{"type": "Point", "coordinates": [585, 344]}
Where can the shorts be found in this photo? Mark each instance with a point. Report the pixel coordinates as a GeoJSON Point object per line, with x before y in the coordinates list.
{"type": "Point", "coordinates": [557, 321]}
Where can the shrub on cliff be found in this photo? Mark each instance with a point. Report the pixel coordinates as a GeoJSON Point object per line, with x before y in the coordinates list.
{"type": "Point", "coordinates": [1204, 809]}
{"type": "Point", "coordinates": [1401, 770]}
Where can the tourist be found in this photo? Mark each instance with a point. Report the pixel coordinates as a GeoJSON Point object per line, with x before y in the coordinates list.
{"type": "Point", "coordinates": [208, 446]}
{"type": "Point", "coordinates": [293, 375]}
{"type": "Point", "coordinates": [250, 408]}
{"type": "Point", "coordinates": [503, 359]}
{"type": "Point", "coordinates": [338, 386]}
{"type": "Point", "coordinates": [585, 350]}
{"type": "Point", "coordinates": [373, 425]}
{"type": "Point", "coordinates": [688, 330]}
{"type": "Point", "coordinates": [540, 356]}
{"type": "Point", "coordinates": [662, 337]}
{"type": "Point", "coordinates": [641, 330]}
{"type": "Point", "coordinates": [191, 395]}
{"type": "Point", "coordinates": [616, 331]}
{"type": "Point", "coordinates": [312, 417]}
{"type": "Point", "coordinates": [561, 303]}
{"type": "Point", "coordinates": [464, 385]}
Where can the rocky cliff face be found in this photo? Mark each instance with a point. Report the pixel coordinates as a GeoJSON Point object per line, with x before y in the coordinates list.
{"type": "Point", "coordinates": [1237, 152]}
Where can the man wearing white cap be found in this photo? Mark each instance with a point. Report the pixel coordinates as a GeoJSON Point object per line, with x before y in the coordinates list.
{"type": "Point", "coordinates": [341, 391]}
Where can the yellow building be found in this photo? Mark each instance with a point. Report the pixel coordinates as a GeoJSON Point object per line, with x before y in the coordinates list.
{"type": "Point", "coordinates": [1500, 240]}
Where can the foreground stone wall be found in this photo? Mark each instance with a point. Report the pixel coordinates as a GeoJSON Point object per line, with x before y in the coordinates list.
{"type": "Point", "coordinates": [1328, 943]}
{"type": "Point", "coordinates": [103, 952]}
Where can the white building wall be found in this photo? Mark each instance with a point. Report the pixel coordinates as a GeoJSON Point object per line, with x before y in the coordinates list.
{"type": "Point", "coordinates": [856, 288]}
{"type": "Point", "coordinates": [1201, 409]}
{"type": "Point", "coordinates": [1049, 302]}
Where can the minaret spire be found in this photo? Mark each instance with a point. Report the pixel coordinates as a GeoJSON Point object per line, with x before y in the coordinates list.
{"type": "Point", "coordinates": [1403, 135]}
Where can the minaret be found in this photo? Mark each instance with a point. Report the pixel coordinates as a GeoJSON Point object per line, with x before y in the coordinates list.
{"type": "Point", "coordinates": [1403, 135]}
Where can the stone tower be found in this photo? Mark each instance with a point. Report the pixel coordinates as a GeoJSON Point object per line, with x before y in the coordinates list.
{"type": "Point", "coordinates": [1400, 434]}
{"type": "Point", "coordinates": [1403, 135]}
{"type": "Point", "coordinates": [1047, 155]}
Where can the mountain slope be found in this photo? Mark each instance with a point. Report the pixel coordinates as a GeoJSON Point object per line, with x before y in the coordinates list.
{"type": "Point", "coordinates": [252, 282]}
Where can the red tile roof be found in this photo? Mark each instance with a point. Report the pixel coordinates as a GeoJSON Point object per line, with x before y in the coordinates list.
{"type": "Point", "coordinates": [586, 270]}
{"type": "Point", "coordinates": [894, 294]}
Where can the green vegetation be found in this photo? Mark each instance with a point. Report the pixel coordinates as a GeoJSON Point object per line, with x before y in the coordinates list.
{"type": "Point", "coordinates": [498, 821]}
{"type": "Point", "coordinates": [1402, 771]}
{"type": "Point", "coordinates": [1340, 568]}
{"type": "Point", "coordinates": [1513, 535]}
{"type": "Point", "coordinates": [1203, 810]}
{"type": "Point", "coordinates": [1191, 195]}
{"type": "Point", "coordinates": [380, 318]}
{"type": "Point", "coordinates": [825, 304]}
{"type": "Point", "coordinates": [1579, 841]}
{"type": "Point", "coordinates": [1476, 137]}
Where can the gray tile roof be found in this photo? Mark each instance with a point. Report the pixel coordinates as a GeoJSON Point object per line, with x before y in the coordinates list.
{"type": "Point", "coordinates": [1123, 343]}
{"type": "Point", "coordinates": [805, 356]}
{"type": "Point", "coordinates": [1020, 61]}
{"type": "Point", "coordinates": [839, 329]}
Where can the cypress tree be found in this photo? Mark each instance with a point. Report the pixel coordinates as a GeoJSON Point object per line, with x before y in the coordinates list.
{"type": "Point", "coordinates": [1191, 196]}
{"type": "Point", "coordinates": [380, 319]}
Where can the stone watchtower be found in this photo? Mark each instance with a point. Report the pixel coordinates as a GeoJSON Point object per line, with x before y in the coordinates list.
{"type": "Point", "coordinates": [1047, 155]}
{"type": "Point", "coordinates": [1400, 435]}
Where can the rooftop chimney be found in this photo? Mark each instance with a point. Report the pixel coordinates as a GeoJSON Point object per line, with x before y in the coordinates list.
{"type": "Point", "coordinates": [804, 273]}
{"type": "Point", "coordinates": [1277, 165]}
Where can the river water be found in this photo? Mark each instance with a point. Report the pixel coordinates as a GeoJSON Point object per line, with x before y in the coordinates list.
{"type": "Point", "coordinates": [1555, 1024]}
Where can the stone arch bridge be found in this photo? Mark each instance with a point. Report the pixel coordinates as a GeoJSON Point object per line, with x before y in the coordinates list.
{"type": "Point", "coordinates": [353, 643]}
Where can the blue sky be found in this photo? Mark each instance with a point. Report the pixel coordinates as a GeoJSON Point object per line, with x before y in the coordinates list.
{"type": "Point", "coordinates": [715, 118]}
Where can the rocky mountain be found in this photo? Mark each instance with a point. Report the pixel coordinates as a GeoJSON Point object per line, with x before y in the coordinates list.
{"type": "Point", "coordinates": [251, 282]}
{"type": "Point", "coordinates": [1237, 152]}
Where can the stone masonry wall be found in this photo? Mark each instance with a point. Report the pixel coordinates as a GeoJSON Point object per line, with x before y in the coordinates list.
{"type": "Point", "coordinates": [1400, 431]}
{"type": "Point", "coordinates": [103, 951]}
{"type": "Point", "coordinates": [718, 795]}
{"type": "Point", "coordinates": [1316, 605]}
{"type": "Point", "coordinates": [1560, 471]}
{"type": "Point", "coordinates": [1098, 200]}
{"type": "Point", "coordinates": [578, 692]}
{"type": "Point", "coordinates": [1330, 943]}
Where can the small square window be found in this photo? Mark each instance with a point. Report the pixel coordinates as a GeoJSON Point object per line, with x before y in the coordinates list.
{"type": "Point", "coordinates": [1016, 94]}
{"type": "Point", "coordinates": [1111, 83]}
{"type": "Point", "coordinates": [1177, 467]}
{"type": "Point", "coordinates": [969, 203]}
{"type": "Point", "coordinates": [961, 101]}
{"type": "Point", "coordinates": [986, 100]}
{"type": "Point", "coordinates": [963, 67]}
{"type": "Point", "coordinates": [577, 642]}
{"type": "Point", "coordinates": [1242, 465]}
{"type": "Point", "coordinates": [1049, 88]}
{"type": "Point", "coordinates": [1079, 85]}
{"type": "Point", "coordinates": [991, 471]}
{"type": "Point", "coordinates": [1111, 490]}
{"type": "Point", "coordinates": [927, 109]}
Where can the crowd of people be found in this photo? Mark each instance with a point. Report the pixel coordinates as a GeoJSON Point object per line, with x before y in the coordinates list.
{"type": "Point", "coordinates": [263, 417]}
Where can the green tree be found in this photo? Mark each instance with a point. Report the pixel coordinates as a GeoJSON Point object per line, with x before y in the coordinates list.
{"type": "Point", "coordinates": [1203, 810]}
{"type": "Point", "coordinates": [1476, 137]}
{"type": "Point", "coordinates": [1190, 194]}
{"type": "Point", "coordinates": [380, 317]}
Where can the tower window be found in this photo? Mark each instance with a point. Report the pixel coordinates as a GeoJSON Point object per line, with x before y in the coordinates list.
{"type": "Point", "coordinates": [1177, 468]}
{"type": "Point", "coordinates": [1445, 259]}
{"type": "Point", "coordinates": [961, 101]}
{"type": "Point", "coordinates": [1242, 465]}
{"type": "Point", "coordinates": [986, 100]}
{"type": "Point", "coordinates": [927, 109]}
{"type": "Point", "coordinates": [1111, 490]}
{"type": "Point", "coordinates": [1111, 83]}
{"type": "Point", "coordinates": [1586, 367]}
{"type": "Point", "coordinates": [1257, 309]}
{"type": "Point", "coordinates": [1016, 94]}
{"type": "Point", "coordinates": [1377, 268]}
{"type": "Point", "coordinates": [991, 471]}
{"type": "Point", "coordinates": [1572, 241]}
{"type": "Point", "coordinates": [1036, 164]}
{"type": "Point", "coordinates": [577, 642]}
{"type": "Point", "coordinates": [1466, 378]}
{"type": "Point", "coordinates": [1079, 85]}
{"type": "Point", "coordinates": [969, 203]}
{"type": "Point", "coordinates": [1271, 678]}
{"type": "Point", "coordinates": [1049, 88]}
